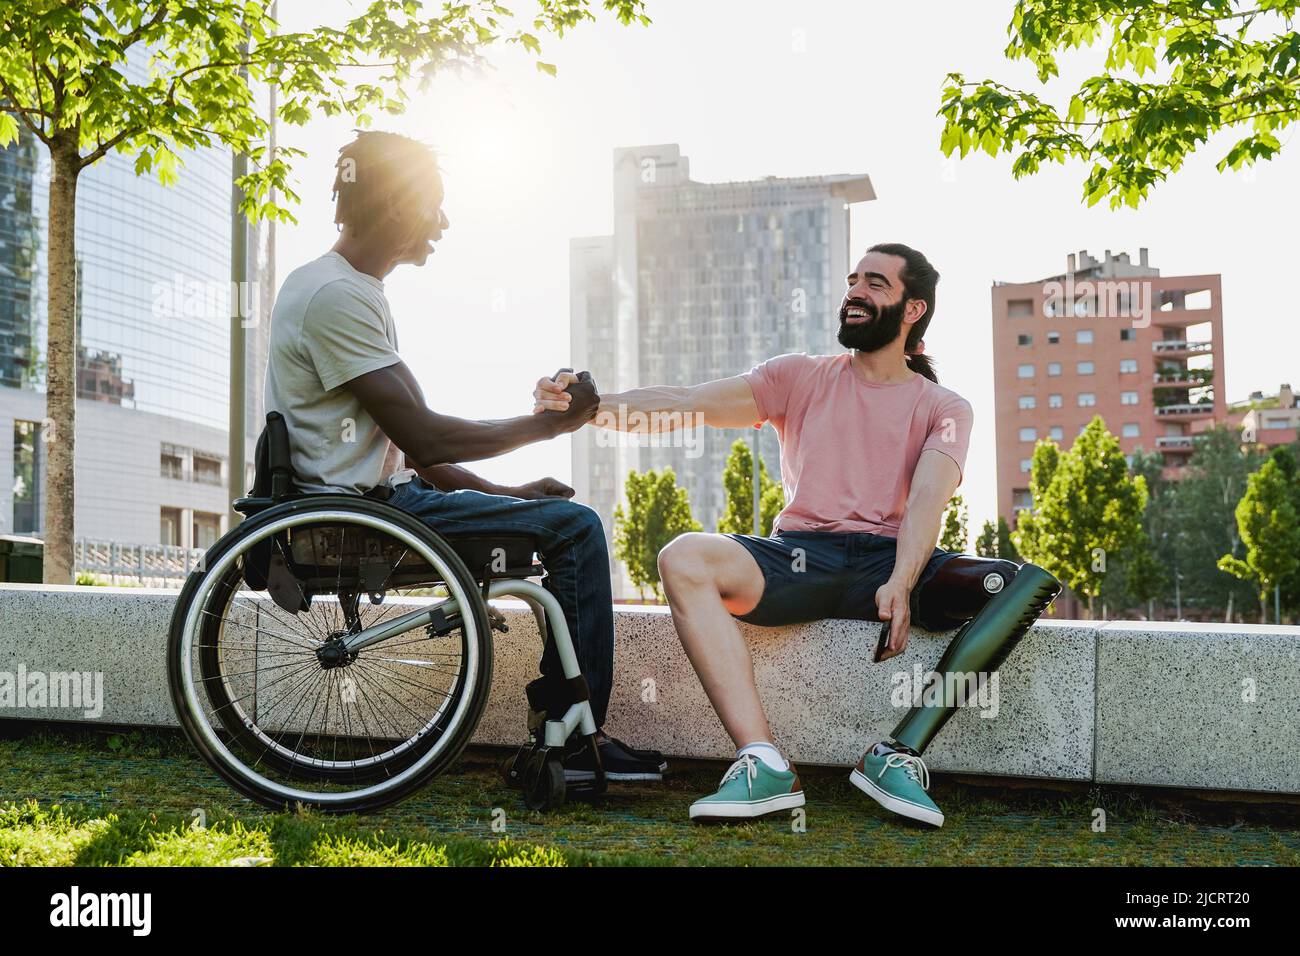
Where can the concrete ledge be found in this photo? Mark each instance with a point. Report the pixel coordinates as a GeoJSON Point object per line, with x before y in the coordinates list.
{"type": "Point", "coordinates": [1134, 703]}
{"type": "Point", "coordinates": [1199, 705]}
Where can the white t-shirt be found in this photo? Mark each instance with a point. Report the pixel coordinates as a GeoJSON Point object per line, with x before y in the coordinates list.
{"type": "Point", "coordinates": [330, 325]}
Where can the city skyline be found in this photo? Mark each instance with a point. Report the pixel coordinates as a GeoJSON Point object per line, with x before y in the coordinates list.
{"type": "Point", "coordinates": [527, 170]}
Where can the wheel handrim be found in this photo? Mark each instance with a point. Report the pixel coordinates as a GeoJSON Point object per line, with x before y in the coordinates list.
{"type": "Point", "coordinates": [458, 596]}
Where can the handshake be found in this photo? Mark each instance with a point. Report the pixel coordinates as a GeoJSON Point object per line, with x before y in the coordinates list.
{"type": "Point", "coordinates": [571, 398]}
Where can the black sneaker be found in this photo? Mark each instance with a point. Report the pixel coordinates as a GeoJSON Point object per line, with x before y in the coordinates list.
{"type": "Point", "coordinates": [649, 756]}
{"type": "Point", "coordinates": [618, 762]}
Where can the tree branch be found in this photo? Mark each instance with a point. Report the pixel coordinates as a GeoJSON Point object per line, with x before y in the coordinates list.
{"type": "Point", "coordinates": [22, 112]}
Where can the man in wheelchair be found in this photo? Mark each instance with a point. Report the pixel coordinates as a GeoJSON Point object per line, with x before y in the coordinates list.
{"type": "Point", "coordinates": [872, 449]}
{"type": "Point", "coordinates": [353, 409]}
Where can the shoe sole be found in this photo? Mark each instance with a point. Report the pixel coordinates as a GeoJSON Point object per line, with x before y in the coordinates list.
{"type": "Point", "coordinates": [890, 802]}
{"type": "Point", "coordinates": [746, 810]}
{"type": "Point", "coordinates": [583, 776]}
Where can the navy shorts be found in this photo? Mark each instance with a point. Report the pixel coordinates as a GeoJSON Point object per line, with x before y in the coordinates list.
{"type": "Point", "coordinates": [815, 575]}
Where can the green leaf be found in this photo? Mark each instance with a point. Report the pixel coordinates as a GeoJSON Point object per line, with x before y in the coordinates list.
{"type": "Point", "coordinates": [8, 129]}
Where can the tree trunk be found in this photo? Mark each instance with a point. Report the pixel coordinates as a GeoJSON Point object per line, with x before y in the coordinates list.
{"type": "Point", "coordinates": [1091, 614]}
{"type": "Point", "coordinates": [1228, 619]}
{"type": "Point", "coordinates": [59, 427]}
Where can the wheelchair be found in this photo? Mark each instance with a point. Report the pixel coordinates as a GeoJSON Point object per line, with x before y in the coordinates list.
{"type": "Point", "coordinates": [333, 651]}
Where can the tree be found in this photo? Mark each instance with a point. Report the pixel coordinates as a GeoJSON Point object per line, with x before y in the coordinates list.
{"type": "Point", "coordinates": [1266, 519]}
{"type": "Point", "coordinates": [63, 76]}
{"type": "Point", "coordinates": [996, 542]}
{"type": "Point", "coordinates": [1006, 549]}
{"type": "Point", "coordinates": [1203, 523]}
{"type": "Point", "coordinates": [1142, 570]}
{"type": "Point", "coordinates": [657, 512]}
{"type": "Point", "coordinates": [955, 517]}
{"type": "Point", "coordinates": [738, 487]}
{"type": "Point", "coordinates": [1286, 458]}
{"type": "Point", "coordinates": [1199, 67]}
{"type": "Point", "coordinates": [1087, 509]}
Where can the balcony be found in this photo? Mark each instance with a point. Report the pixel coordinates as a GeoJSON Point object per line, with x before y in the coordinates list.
{"type": "Point", "coordinates": [1183, 379]}
{"type": "Point", "coordinates": [1185, 410]}
{"type": "Point", "coordinates": [1172, 348]}
{"type": "Point", "coordinates": [1174, 443]}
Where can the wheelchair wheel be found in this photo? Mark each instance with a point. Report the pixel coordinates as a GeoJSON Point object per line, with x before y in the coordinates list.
{"type": "Point", "coordinates": [278, 703]}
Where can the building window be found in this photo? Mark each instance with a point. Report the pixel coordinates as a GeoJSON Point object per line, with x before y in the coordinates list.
{"type": "Point", "coordinates": [1029, 433]}
{"type": "Point", "coordinates": [1026, 464]}
{"type": "Point", "coordinates": [207, 529]}
{"type": "Point", "coordinates": [1053, 401]}
{"type": "Point", "coordinates": [29, 459]}
{"type": "Point", "coordinates": [1053, 338]}
{"type": "Point", "coordinates": [169, 531]}
{"type": "Point", "coordinates": [1128, 398]}
{"type": "Point", "coordinates": [1128, 365]}
{"type": "Point", "coordinates": [1053, 368]}
{"type": "Point", "coordinates": [1021, 499]}
{"type": "Point", "coordinates": [171, 463]}
{"type": "Point", "coordinates": [1083, 336]}
{"type": "Point", "coordinates": [1131, 430]}
{"type": "Point", "coordinates": [1025, 371]}
{"type": "Point", "coordinates": [1083, 368]}
{"type": "Point", "coordinates": [1128, 335]}
{"type": "Point", "coordinates": [1020, 308]}
{"type": "Point", "coordinates": [207, 470]}
{"type": "Point", "coordinates": [1027, 401]}
{"type": "Point", "coordinates": [1024, 339]}
{"type": "Point", "coordinates": [1057, 433]}
{"type": "Point", "coordinates": [1087, 399]}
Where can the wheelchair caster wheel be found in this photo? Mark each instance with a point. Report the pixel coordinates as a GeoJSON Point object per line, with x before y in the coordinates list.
{"type": "Point", "coordinates": [543, 780]}
{"type": "Point", "coordinates": [512, 768]}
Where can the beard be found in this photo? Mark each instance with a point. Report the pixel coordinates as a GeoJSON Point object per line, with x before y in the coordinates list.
{"type": "Point", "coordinates": [876, 331]}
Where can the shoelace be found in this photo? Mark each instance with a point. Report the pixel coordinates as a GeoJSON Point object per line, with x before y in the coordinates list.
{"type": "Point", "coordinates": [914, 766]}
{"type": "Point", "coordinates": [747, 765]}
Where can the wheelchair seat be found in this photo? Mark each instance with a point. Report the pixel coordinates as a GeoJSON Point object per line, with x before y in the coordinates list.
{"type": "Point", "coordinates": [495, 556]}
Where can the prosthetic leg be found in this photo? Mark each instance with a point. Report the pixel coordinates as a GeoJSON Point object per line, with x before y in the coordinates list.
{"type": "Point", "coordinates": [1005, 601]}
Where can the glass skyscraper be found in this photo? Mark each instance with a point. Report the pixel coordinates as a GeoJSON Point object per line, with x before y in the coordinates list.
{"type": "Point", "coordinates": [701, 281]}
{"type": "Point", "coordinates": [154, 306]}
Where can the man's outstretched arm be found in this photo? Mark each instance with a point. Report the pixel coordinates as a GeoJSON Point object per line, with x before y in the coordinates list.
{"type": "Point", "coordinates": [722, 403]}
{"type": "Point", "coordinates": [393, 398]}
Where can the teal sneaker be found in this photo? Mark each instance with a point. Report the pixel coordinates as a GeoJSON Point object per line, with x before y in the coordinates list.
{"type": "Point", "coordinates": [897, 780]}
{"type": "Point", "coordinates": [750, 788]}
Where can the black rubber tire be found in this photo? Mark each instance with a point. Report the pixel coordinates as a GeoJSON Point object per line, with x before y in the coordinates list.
{"type": "Point", "coordinates": [544, 786]}
{"type": "Point", "coordinates": [452, 748]}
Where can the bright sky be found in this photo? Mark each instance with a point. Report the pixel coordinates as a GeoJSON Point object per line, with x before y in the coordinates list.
{"type": "Point", "coordinates": [758, 88]}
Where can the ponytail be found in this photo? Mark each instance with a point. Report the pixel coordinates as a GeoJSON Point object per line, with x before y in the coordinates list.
{"type": "Point", "coordinates": [922, 365]}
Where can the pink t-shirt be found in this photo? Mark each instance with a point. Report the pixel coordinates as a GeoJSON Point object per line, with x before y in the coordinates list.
{"type": "Point", "coordinates": [849, 447]}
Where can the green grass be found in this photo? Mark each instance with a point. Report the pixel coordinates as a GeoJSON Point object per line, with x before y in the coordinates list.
{"type": "Point", "coordinates": [142, 798]}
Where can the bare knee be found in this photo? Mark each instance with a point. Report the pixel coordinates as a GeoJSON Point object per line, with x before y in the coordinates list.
{"type": "Point", "coordinates": [684, 563]}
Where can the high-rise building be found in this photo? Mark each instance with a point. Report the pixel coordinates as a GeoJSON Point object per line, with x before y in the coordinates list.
{"type": "Point", "coordinates": [700, 281]}
{"type": "Point", "coordinates": [154, 305]}
{"type": "Point", "coordinates": [1107, 337]}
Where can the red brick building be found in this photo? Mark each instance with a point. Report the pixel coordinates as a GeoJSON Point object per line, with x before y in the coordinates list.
{"type": "Point", "coordinates": [1111, 338]}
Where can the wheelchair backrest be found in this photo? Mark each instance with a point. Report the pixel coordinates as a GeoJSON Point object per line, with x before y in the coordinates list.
{"type": "Point", "coordinates": [272, 469]}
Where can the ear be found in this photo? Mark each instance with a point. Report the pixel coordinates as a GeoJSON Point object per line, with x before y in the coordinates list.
{"type": "Point", "coordinates": [914, 311]}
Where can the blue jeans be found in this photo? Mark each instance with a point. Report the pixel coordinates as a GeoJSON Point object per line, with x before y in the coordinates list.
{"type": "Point", "coordinates": [571, 543]}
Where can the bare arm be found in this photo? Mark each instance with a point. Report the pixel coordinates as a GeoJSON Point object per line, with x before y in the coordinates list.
{"type": "Point", "coordinates": [933, 483]}
{"type": "Point", "coordinates": [723, 403]}
{"type": "Point", "coordinates": [392, 396]}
